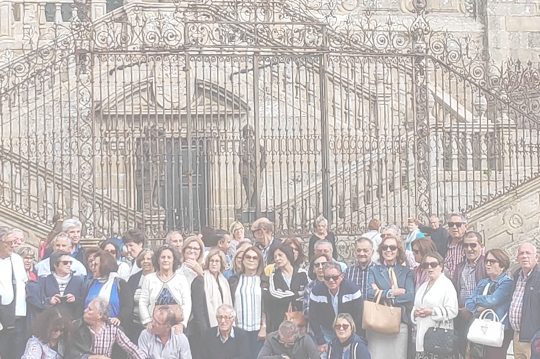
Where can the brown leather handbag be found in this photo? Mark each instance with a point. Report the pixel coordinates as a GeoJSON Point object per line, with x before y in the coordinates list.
{"type": "Point", "coordinates": [381, 318]}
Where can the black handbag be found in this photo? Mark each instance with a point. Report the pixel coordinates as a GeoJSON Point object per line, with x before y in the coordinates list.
{"type": "Point", "coordinates": [440, 341]}
{"type": "Point", "coordinates": [7, 312]}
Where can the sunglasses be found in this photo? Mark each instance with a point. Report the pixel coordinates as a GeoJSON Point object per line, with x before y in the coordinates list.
{"type": "Point", "coordinates": [286, 343]}
{"type": "Point", "coordinates": [470, 245]}
{"type": "Point", "coordinates": [320, 264]}
{"type": "Point", "coordinates": [341, 326]}
{"type": "Point", "coordinates": [251, 258]}
{"type": "Point", "coordinates": [328, 278]}
{"type": "Point", "coordinates": [391, 248]}
{"type": "Point", "coordinates": [65, 262]}
{"type": "Point", "coordinates": [491, 261]}
{"type": "Point", "coordinates": [455, 224]}
{"type": "Point", "coordinates": [427, 265]}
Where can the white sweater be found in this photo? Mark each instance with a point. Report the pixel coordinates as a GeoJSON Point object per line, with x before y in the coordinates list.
{"type": "Point", "coordinates": [442, 298]}
{"type": "Point", "coordinates": [151, 287]}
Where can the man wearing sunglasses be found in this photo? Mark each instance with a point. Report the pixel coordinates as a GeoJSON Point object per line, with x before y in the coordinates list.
{"type": "Point", "coordinates": [335, 295]}
{"type": "Point", "coordinates": [467, 275]}
{"type": "Point", "coordinates": [457, 226]}
{"type": "Point", "coordinates": [288, 342]}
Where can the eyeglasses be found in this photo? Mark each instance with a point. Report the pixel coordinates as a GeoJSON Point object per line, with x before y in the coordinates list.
{"type": "Point", "coordinates": [455, 224]}
{"type": "Point", "coordinates": [427, 265]}
{"type": "Point", "coordinates": [341, 326]}
{"type": "Point", "coordinates": [319, 264]}
{"type": "Point", "coordinates": [251, 258]}
{"type": "Point", "coordinates": [391, 248]}
{"type": "Point", "coordinates": [286, 343]}
{"type": "Point", "coordinates": [470, 245]}
{"type": "Point", "coordinates": [362, 250]}
{"type": "Point", "coordinates": [491, 261]}
{"type": "Point", "coordinates": [193, 248]}
{"type": "Point", "coordinates": [65, 262]}
{"type": "Point", "coordinates": [328, 278]}
{"type": "Point", "coordinates": [224, 317]}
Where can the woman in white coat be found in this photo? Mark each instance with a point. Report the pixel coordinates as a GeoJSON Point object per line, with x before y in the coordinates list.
{"type": "Point", "coordinates": [435, 302]}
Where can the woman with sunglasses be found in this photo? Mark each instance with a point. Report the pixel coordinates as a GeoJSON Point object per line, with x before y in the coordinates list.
{"type": "Point", "coordinates": [394, 283]}
{"type": "Point", "coordinates": [435, 303]}
{"type": "Point", "coordinates": [347, 343]}
{"type": "Point", "coordinates": [420, 248]}
{"type": "Point", "coordinates": [247, 294]}
{"type": "Point", "coordinates": [494, 292]}
{"type": "Point", "coordinates": [49, 334]}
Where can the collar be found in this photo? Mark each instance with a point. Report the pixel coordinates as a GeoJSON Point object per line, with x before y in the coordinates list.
{"type": "Point", "coordinates": [369, 265]}
{"type": "Point", "coordinates": [157, 339]}
{"type": "Point", "coordinates": [473, 264]}
{"type": "Point", "coordinates": [231, 334]}
{"type": "Point", "coordinates": [522, 274]}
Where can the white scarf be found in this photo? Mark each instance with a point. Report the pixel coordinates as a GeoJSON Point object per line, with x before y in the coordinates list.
{"type": "Point", "coordinates": [105, 291]}
{"type": "Point", "coordinates": [213, 295]}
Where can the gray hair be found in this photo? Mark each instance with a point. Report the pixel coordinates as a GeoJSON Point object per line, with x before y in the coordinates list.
{"type": "Point", "coordinates": [288, 329]}
{"type": "Point", "coordinates": [324, 242]}
{"type": "Point", "coordinates": [71, 223]}
{"type": "Point", "coordinates": [226, 308]}
{"type": "Point", "coordinates": [3, 232]}
{"type": "Point", "coordinates": [364, 239]}
{"type": "Point", "coordinates": [320, 220]}
{"type": "Point", "coordinates": [333, 265]}
{"type": "Point", "coordinates": [457, 214]}
{"type": "Point", "coordinates": [392, 228]}
{"type": "Point", "coordinates": [26, 251]}
{"type": "Point", "coordinates": [102, 306]}
{"type": "Point", "coordinates": [61, 235]}
{"type": "Point", "coordinates": [171, 233]}
{"type": "Point", "coordinates": [263, 223]}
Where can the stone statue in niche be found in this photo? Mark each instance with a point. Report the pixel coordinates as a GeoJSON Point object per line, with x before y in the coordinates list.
{"type": "Point", "coordinates": [149, 174]}
{"type": "Point", "coordinates": [250, 169]}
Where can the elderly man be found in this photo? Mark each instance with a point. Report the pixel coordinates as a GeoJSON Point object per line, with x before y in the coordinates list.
{"type": "Point", "coordinates": [175, 240]}
{"type": "Point", "coordinates": [61, 242]}
{"type": "Point", "coordinates": [335, 295]}
{"type": "Point", "coordinates": [160, 341]}
{"type": "Point", "coordinates": [374, 234]}
{"type": "Point", "coordinates": [73, 227]}
{"type": "Point", "coordinates": [358, 273]}
{"type": "Point", "coordinates": [12, 299]}
{"type": "Point", "coordinates": [263, 232]}
{"type": "Point", "coordinates": [524, 313]}
{"type": "Point", "coordinates": [225, 341]}
{"type": "Point", "coordinates": [467, 275]}
{"type": "Point", "coordinates": [288, 342]}
{"type": "Point", "coordinates": [325, 247]}
{"type": "Point", "coordinates": [457, 226]}
{"type": "Point", "coordinates": [94, 336]}
{"type": "Point", "coordinates": [437, 233]}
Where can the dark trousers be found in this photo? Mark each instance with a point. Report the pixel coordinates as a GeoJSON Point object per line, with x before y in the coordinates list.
{"type": "Point", "coordinates": [13, 341]}
{"type": "Point", "coordinates": [254, 344]}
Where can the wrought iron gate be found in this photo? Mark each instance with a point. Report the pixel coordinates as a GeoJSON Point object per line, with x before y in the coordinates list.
{"type": "Point", "coordinates": [187, 115]}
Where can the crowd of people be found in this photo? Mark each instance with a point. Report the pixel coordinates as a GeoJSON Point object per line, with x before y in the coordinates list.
{"type": "Point", "coordinates": [222, 295]}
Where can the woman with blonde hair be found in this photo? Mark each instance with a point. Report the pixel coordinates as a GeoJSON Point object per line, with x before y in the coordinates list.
{"type": "Point", "coordinates": [193, 254]}
{"type": "Point", "coordinates": [237, 231]}
{"type": "Point", "coordinates": [347, 343]}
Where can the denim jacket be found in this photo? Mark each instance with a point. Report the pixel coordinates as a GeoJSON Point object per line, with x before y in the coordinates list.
{"type": "Point", "coordinates": [498, 297]}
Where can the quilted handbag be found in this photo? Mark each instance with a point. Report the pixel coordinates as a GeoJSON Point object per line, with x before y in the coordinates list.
{"type": "Point", "coordinates": [486, 331]}
{"type": "Point", "coordinates": [440, 341]}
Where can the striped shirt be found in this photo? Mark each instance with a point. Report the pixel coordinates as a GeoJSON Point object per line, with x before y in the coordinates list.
{"type": "Point", "coordinates": [359, 276]}
{"type": "Point", "coordinates": [454, 256]}
{"type": "Point", "coordinates": [107, 336]}
{"type": "Point", "coordinates": [248, 303]}
{"type": "Point", "coordinates": [467, 282]}
{"type": "Point", "coordinates": [516, 306]}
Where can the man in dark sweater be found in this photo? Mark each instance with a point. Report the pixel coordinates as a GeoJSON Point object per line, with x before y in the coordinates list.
{"type": "Point", "coordinates": [437, 233]}
{"type": "Point", "coordinates": [225, 341]}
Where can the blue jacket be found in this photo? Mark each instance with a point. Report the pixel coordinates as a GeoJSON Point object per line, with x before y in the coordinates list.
{"type": "Point", "coordinates": [47, 287]}
{"type": "Point", "coordinates": [530, 315]}
{"type": "Point", "coordinates": [359, 348]}
{"type": "Point", "coordinates": [498, 297]}
{"type": "Point", "coordinates": [378, 274]}
{"type": "Point", "coordinates": [321, 313]}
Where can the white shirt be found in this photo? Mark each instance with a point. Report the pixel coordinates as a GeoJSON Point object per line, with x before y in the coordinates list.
{"type": "Point", "coordinates": [43, 268]}
{"type": "Point", "coordinates": [6, 286]}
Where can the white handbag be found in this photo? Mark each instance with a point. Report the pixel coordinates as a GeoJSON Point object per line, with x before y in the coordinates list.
{"type": "Point", "coordinates": [485, 331]}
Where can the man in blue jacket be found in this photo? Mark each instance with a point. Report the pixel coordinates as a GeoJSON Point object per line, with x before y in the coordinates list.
{"type": "Point", "coordinates": [335, 295]}
{"type": "Point", "coordinates": [523, 313]}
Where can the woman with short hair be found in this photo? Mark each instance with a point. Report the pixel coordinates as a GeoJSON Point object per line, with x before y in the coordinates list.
{"type": "Point", "coordinates": [494, 292]}
{"type": "Point", "coordinates": [111, 247]}
{"type": "Point", "coordinates": [144, 261]}
{"type": "Point", "coordinates": [347, 344]}
{"type": "Point", "coordinates": [28, 255]}
{"type": "Point", "coordinates": [193, 254]}
{"type": "Point", "coordinates": [320, 232]}
{"type": "Point", "coordinates": [50, 332]}
{"type": "Point", "coordinates": [420, 248]}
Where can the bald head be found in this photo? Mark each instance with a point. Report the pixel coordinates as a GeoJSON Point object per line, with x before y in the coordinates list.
{"type": "Point", "coordinates": [527, 257]}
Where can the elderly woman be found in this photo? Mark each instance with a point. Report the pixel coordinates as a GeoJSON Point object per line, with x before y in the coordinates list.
{"type": "Point", "coordinates": [50, 331]}
{"type": "Point", "coordinates": [29, 259]}
{"type": "Point", "coordinates": [193, 254]}
{"type": "Point", "coordinates": [107, 285]}
{"type": "Point", "coordinates": [347, 343]}
{"type": "Point", "coordinates": [320, 232]}
{"type": "Point", "coordinates": [435, 303]}
{"type": "Point", "coordinates": [394, 282]}
{"type": "Point", "coordinates": [420, 248]}
{"type": "Point", "coordinates": [111, 247]}
{"type": "Point", "coordinates": [166, 286]}
{"type": "Point", "coordinates": [286, 289]}
{"type": "Point", "coordinates": [247, 294]}
{"type": "Point", "coordinates": [494, 292]}
{"type": "Point", "coordinates": [237, 232]}
{"type": "Point", "coordinates": [143, 261]}
{"type": "Point", "coordinates": [207, 294]}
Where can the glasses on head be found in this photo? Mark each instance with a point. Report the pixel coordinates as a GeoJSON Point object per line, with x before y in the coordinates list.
{"type": "Point", "coordinates": [251, 258]}
{"type": "Point", "coordinates": [390, 248]}
{"type": "Point", "coordinates": [65, 262]}
{"type": "Point", "coordinates": [427, 265]}
{"type": "Point", "coordinates": [224, 317]}
{"type": "Point", "coordinates": [491, 261]}
{"type": "Point", "coordinates": [455, 224]}
{"type": "Point", "coordinates": [319, 264]}
{"type": "Point", "coordinates": [470, 245]}
{"type": "Point", "coordinates": [329, 278]}
{"type": "Point", "coordinates": [341, 326]}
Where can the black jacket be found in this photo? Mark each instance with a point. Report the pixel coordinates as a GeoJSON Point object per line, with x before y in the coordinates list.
{"type": "Point", "coordinates": [439, 236]}
{"type": "Point", "coordinates": [530, 313]}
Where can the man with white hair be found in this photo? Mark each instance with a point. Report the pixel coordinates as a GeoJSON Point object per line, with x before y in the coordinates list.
{"type": "Point", "coordinates": [72, 227]}
{"type": "Point", "coordinates": [61, 242]}
{"type": "Point", "coordinates": [12, 299]}
{"type": "Point", "coordinates": [225, 341]}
